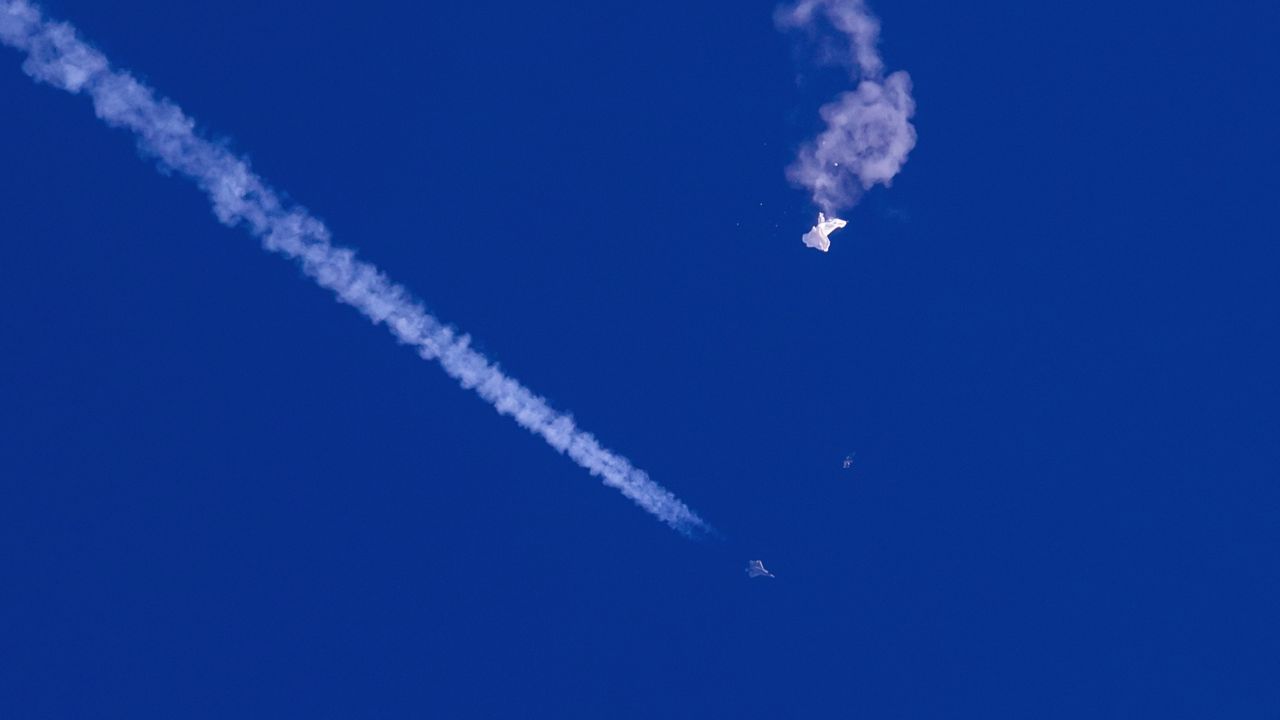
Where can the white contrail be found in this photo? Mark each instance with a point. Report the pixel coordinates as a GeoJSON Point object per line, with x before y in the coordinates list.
{"type": "Point", "coordinates": [57, 56]}
{"type": "Point", "coordinates": [869, 131]}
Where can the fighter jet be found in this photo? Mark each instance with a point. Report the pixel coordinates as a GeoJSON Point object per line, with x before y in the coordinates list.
{"type": "Point", "coordinates": [755, 569]}
{"type": "Point", "coordinates": [817, 238]}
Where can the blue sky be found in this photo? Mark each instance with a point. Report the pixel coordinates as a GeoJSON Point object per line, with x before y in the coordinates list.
{"type": "Point", "coordinates": [1051, 345]}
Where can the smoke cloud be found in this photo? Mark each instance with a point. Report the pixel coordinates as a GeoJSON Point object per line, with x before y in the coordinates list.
{"type": "Point", "coordinates": [868, 130]}
{"type": "Point", "coordinates": [56, 55]}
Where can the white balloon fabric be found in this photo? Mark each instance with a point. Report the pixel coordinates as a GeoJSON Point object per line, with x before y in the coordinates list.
{"type": "Point", "coordinates": [818, 236]}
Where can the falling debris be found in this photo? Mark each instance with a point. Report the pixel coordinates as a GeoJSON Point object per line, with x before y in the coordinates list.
{"type": "Point", "coordinates": [848, 461]}
{"type": "Point", "coordinates": [755, 568]}
{"type": "Point", "coordinates": [868, 132]}
{"type": "Point", "coordinates": [817, 238]}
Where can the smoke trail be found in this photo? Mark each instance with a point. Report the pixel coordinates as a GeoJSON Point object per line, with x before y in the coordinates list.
{"type": "Point", "coordinates": [57, 56]}
{"type": "Point", "coordinates": [869, 131]}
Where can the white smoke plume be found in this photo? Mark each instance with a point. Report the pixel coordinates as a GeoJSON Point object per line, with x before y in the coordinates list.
{"type": "Point", "coordinates": [57, 56]}
{"type": "Point", "coordinates": [869, 132]}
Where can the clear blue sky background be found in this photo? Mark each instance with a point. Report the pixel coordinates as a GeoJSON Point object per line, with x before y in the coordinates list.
{"type": "Point", "coordinates": [1051, 344]}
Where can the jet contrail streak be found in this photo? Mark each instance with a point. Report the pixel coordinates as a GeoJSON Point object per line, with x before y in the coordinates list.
{"type": "Point", "coordinates": [57, 56]}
